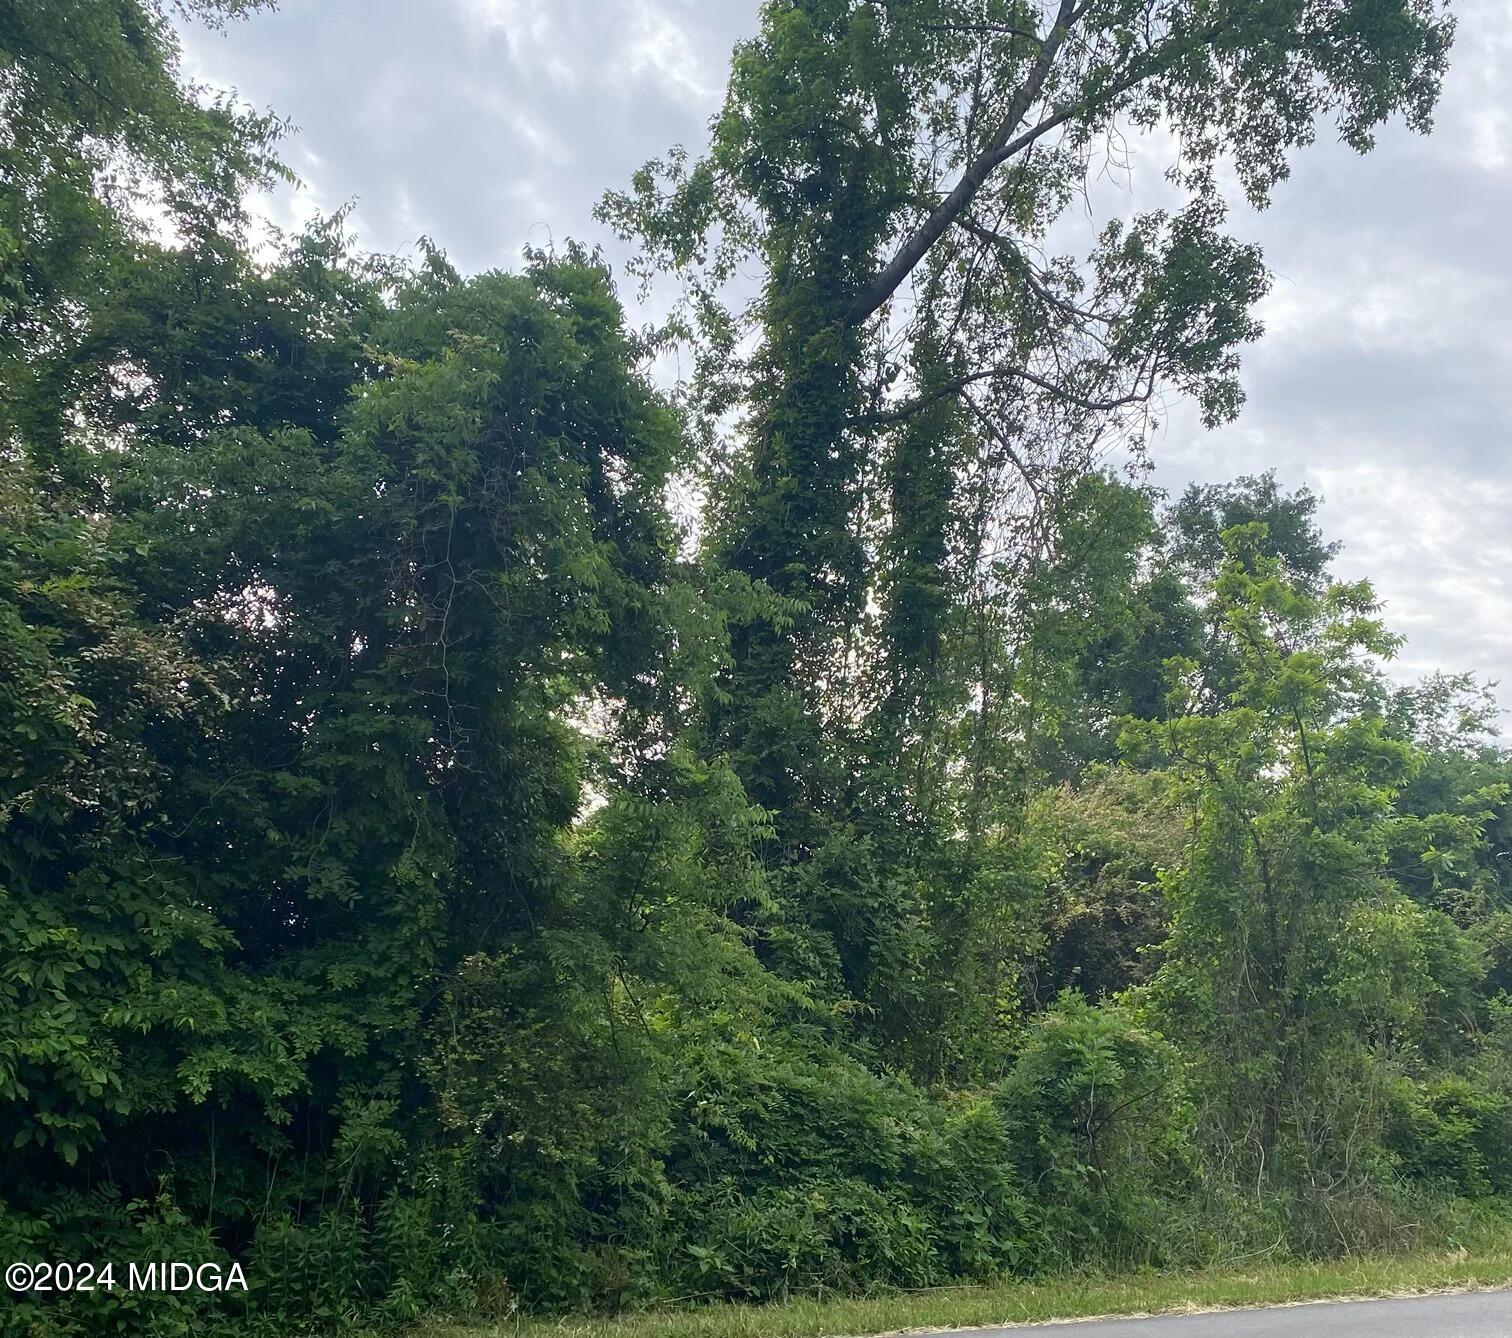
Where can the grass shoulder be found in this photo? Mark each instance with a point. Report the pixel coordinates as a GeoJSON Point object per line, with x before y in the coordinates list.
{"type": "Point", "coordinates": [1073, 1297]}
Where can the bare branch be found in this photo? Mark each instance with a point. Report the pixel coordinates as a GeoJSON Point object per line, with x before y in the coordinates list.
{"type": "Point", "coordinates": [1031, 481]}
{"type": "Point", "coordinates": [908, 408]}
{"type": "Point", "coordinates": [1033, 278]}
{"type": "Point", "coordinates": [1002, 148]}
{"type": "Point", "coordinates": [1000, 29]}
{"type": "Point", "coordinates": [917, 246]}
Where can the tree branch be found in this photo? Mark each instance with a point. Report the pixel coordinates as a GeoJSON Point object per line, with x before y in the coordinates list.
{"type": "Point", "coordinates": [908, 408]}
{"type": "Point", "coordinates": [917, 246]}
{"type": "Point", "coordinates": [1032, 278]}
{"type": "Point", "coordinates": [1002, 148]}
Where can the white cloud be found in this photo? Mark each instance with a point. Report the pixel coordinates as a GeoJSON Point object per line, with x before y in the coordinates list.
{"type": "Point", "coordinates": [661, 49]}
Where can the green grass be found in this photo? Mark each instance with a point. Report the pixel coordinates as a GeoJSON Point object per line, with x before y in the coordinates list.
{"type": "Point", "coordinates": [1022, 1302]}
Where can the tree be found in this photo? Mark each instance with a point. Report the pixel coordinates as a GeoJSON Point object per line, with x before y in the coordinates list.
{"type": "Point", "coordinates": [1300, 972]}
{"type": "Point", "coordinates": [1166, 612]}
{"type": "Point", "coordinates": [1203, 514]}
{"type": "Point", "coordinates": [100, 134]}
{"type": "Point", "coordinates": [298, 741]}
{"type": "Point", "coordinates": [926, 382]}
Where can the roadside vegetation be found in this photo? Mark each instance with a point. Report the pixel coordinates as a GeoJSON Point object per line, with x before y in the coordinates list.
{"type": "Point", "coordinates": [449, 881]}
{"type": "Point", "coordinates": [1073, 1296]}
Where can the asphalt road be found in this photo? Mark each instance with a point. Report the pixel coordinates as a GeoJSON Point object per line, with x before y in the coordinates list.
{"type": "Point", "coordinates": [1463, 1315]}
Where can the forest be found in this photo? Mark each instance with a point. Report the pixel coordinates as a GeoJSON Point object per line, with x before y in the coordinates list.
{"type": "Point", "coordinates": [446, 872]}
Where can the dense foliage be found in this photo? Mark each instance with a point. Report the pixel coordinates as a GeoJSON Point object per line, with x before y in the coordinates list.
{"type": "Point", "coordinates": [437, 878]}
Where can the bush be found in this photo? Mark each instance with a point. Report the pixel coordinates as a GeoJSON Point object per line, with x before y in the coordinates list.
{"type": "Point", "coordinates": [1454, 1133]}
{"type": "Point", "coordinates": [1099, 1127]}
{"type": "Point", "coordinates": [794, 1168]}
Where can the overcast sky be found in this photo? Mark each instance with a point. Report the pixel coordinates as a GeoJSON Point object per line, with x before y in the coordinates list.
{"type": "Point", "coordinates": [1384, 380]}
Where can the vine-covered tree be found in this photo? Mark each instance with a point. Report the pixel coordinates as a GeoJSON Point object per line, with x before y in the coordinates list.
{"type": "Point", "coordinates": [936, 363]}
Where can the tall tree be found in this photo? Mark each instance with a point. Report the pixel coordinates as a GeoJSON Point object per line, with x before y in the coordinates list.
{"type": "Point", "coordinates": [904, 176]}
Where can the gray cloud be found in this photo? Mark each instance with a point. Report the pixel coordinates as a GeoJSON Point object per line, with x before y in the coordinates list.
{"type": "Point", "coordinates": [1384, 380]}
{"type": "Point", "coordinates": [486, 124]}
